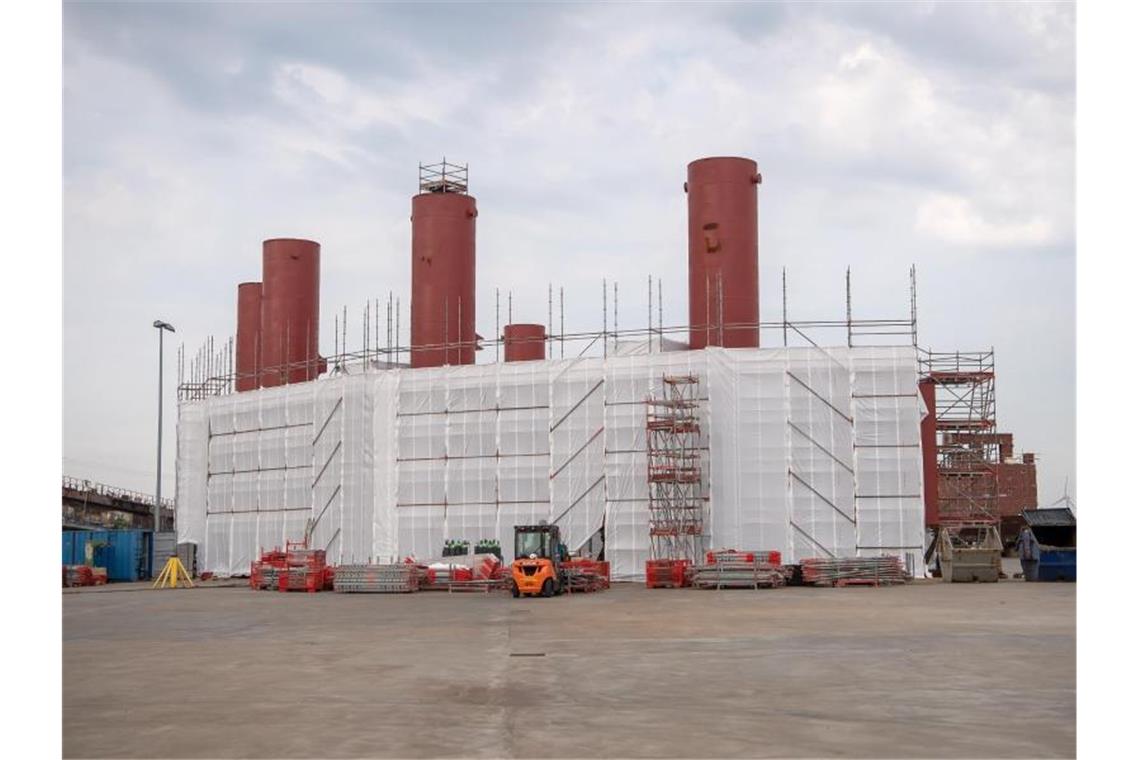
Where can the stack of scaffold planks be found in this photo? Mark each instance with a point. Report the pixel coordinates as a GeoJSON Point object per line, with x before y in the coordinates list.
{"type": "Point", "coordinates": [854, 571]}
{"type": "Point", "coordinates": [733, 568]}
{"type": "Point", "coordinates": [735, 555]}
{"type": "Point", "coordinates": [752, 573]}
{"type": "Point", "coordinates": [400, 578]}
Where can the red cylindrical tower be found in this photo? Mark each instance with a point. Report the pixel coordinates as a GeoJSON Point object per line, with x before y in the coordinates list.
{"type": "Point", "coordinates": [524, 342]}
{"type": "Point", "coordinates": [290, 311]}
{"type": "Point", "coordinates": [724, 278]}
{"type": "Point", "coordinates": [928, 437]}
{"type": "Point", "coordinates": [443, 269]}
{"type": "Point", "coordinates": [247, 346]}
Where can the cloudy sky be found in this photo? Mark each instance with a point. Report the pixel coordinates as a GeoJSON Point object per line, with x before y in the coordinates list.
{"type": "Point", "coordinates": [888, 134]}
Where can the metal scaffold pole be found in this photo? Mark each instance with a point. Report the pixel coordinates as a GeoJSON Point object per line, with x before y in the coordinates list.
{"type": "Point", "coordinates": [214, 369]}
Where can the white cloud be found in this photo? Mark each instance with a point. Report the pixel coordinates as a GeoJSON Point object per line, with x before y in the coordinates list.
{"type": "Point", "coordinates": [954, 219]}
{"type": "Point", "coordinates": [874, 155]}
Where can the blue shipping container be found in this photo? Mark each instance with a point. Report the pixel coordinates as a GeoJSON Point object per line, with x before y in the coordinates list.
{"type": "Point", "coordinates": [69, 547]}
{"type": "Point", "coordinates": [126, 554]}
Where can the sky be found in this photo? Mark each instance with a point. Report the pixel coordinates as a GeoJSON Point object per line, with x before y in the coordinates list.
{"type": "Point", "coordinates": [938, 135]}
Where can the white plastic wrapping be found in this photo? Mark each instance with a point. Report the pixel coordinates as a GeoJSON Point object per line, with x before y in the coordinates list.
{"type": "Point", "coordinates": [813, 452]}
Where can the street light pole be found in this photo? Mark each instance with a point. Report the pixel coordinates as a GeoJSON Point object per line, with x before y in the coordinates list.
{"type": "Point", "coordinates": [161, 327]}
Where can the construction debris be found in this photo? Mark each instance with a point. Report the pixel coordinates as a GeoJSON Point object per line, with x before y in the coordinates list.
{"type": "Point", "coordinates": [854, 571]}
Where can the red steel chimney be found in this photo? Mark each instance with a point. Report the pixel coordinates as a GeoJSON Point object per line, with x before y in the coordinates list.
{"type": "Point", "coordinates": [443, 268]}
{"type": "Point", "coordinates": [724, 279]}
{"type": "Point", "coordinates": [290, 311]}
{"type": "Point", "coordinates": [524, 342]}
{"type": "Point", "coordinates": [247, 346]}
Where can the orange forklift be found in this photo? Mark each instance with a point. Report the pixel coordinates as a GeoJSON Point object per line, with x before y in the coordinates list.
{"type": "Point", "coordinates": [537, 569]}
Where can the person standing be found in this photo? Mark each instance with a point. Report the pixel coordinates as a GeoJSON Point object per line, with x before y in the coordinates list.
{"type": "Point", "coordinates": [1030, 553]}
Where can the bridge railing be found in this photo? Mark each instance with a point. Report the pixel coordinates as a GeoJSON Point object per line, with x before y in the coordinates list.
{"type": "Point", "coordinates": [113, 492]}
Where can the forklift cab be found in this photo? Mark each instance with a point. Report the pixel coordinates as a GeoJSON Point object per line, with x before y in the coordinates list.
{"type": "Point", "coordinates": [537, 568]}
{"type": "Point", "coordinates": [543, 541]}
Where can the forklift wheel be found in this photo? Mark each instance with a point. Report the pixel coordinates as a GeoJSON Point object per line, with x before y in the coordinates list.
{"type": "Point", "coordinates": [548, 588]}
{"type": "Point", "coordinates": [515, 590]}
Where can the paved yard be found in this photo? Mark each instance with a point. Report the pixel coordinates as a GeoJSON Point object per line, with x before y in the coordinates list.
{"type": "Point", "coordinates": [926, 670]}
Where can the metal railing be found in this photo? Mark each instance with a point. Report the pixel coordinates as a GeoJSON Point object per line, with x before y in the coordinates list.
{"type": "Point", "coordinates": [113, 492]}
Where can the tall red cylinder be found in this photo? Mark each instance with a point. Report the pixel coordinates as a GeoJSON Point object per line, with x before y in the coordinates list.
{"type": "Point", "coordinates": [290, 311]}
{"type": "Point", "coordinates": [928, 437]}
{"type": "Point", "coordinates": [724, 274]}
{"type": "Point", "coordinates": [247, 346]}
{"type": "Point", "coordinates": [443, 279]}
{"type": "Point", "coordinates": [524, 342]}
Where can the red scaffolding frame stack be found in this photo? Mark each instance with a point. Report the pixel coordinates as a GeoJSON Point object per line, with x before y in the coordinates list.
{"type": "Point", "coordinates": [968, 450]}
{"type": "Point", "coordinates": [673, 458]}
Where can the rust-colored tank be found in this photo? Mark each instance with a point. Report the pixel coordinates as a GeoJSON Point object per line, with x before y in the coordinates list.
{"type": "Point", "coordinates": [724, 277]}
{"type": "Point", "coordinates": [928, 437]}
{"type": "Point", "coordinates": [524, 342]}
{"type": "Point", "coordinates": [290, 311]}
{"type": "Point", "coordinates": [443, 279]}
{"type": "Point", "coordinates": [247, 346]}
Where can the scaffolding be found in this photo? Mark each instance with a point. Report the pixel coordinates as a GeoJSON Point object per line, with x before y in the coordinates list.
{"type": "Point", "coordinates": [673, 447]}
{"type": "Point", "coordinates": [968, 448]}
{"type": "Point", "coordinates": [385, 344]}
{"type": "Point", "coordinates": [443, 178]}
{"type": "Point", "coordinates": [378, 467]}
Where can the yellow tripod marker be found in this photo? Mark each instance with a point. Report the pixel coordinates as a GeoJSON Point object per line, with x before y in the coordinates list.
{"type": "Point", "coordinates": [172, 574]}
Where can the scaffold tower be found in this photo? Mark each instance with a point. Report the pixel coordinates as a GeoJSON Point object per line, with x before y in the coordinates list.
{"type": "Point", "coordinates": [966, 424]}
{"type": "Point", "coordinates": [676, 505]}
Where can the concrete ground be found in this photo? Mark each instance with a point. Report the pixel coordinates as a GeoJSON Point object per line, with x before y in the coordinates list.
{"type": "Point", "coordinates": [925, 670]}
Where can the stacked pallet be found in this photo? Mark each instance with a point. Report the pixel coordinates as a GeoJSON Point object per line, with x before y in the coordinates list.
{"type": "Point", "coordinates": [666, 573]}
{"type": "Point", "coordinates": [82, 575]}
{"type": "Point", "coordinates": [304, 571]}
{"type": "Point", "coordinates": [588, 574]}
{"type": "Point", "coordinates": [263, 572]}
{"type": "Point", "coordinates": [854, 571]}
{"type": "Point", "coordinates": [485, 585]}
{"type": "Point", "coordinates": [441, 574]}
{"type": "Point", "coordinates": [377, 579]}
{"type": "Point", "coordinates": [265, 577]}
{"type": "Point", "coordinates": [737, 573]}
{"type": "Point", "coordinates": [486, 567]}
{"type": "Point", "coordinates": [579, 580]}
